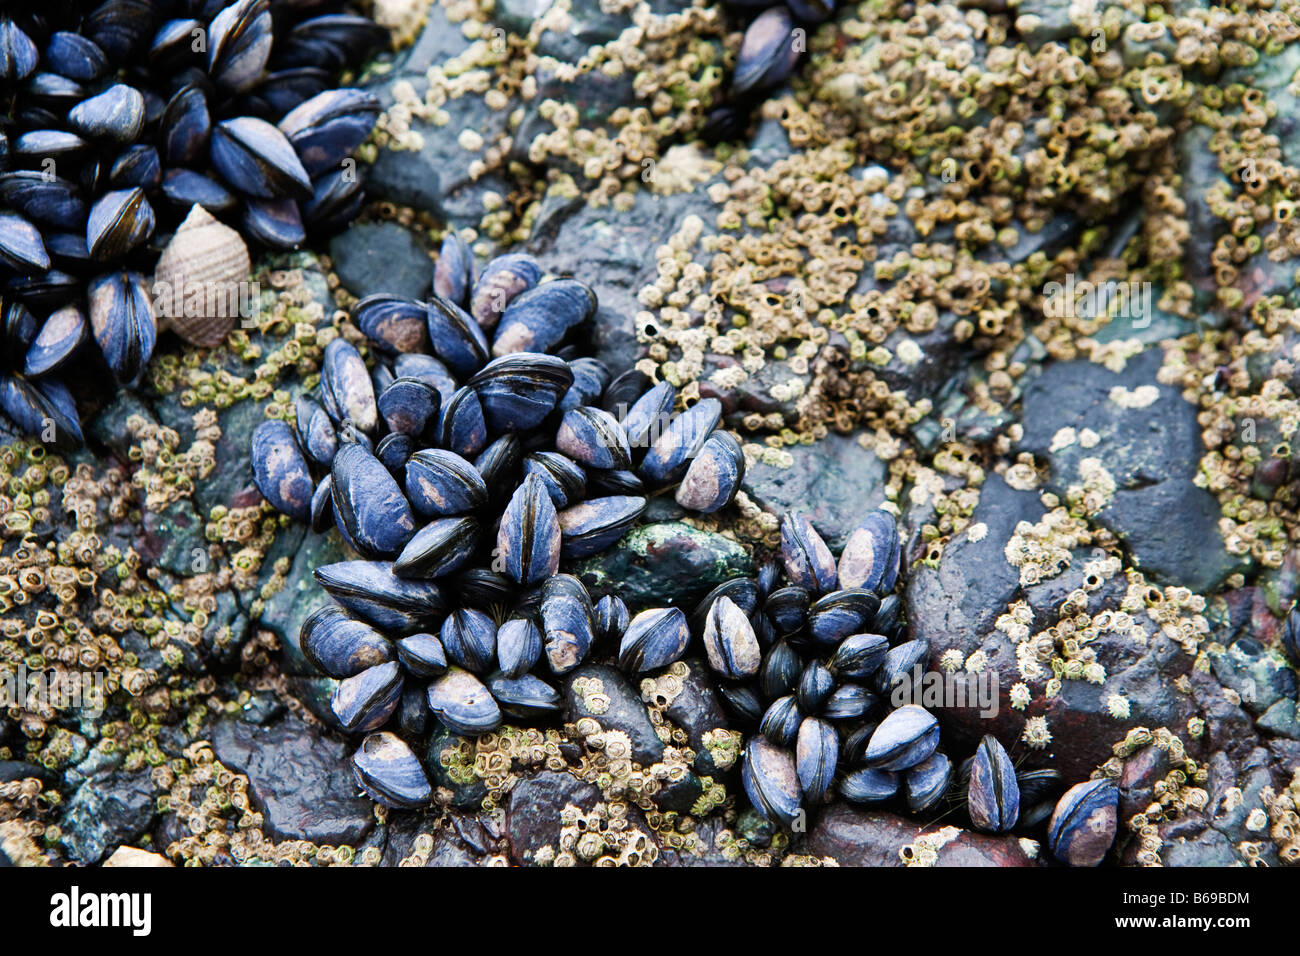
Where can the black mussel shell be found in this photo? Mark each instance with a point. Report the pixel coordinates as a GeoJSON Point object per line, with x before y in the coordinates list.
{"type": "Point", "coordinates": [729, 641]}
{"type": "Point", "coordinates": [366, 700]}
{"type": "Point", "coordinates": [993, 794]}
{"type": "Point", "coordinates": [504, 278]}
{"type": "Point", "coordinates": [371, 591]}
{"type": "Point", "coordinates": [386, 769]}
{"type": "Point", "coordinates": [655, 638]}
{"type": "Point", "coordinates": [528, 542]}
{"type": "Point", "coordinates": [816, 752]}
{"type": "Point", "coordinates": [519, 645]}
{"type": "Point", "coordinates": [771, 782]}
{"type": "Point", "coordinates": [441, 547]}
{"type": "Point", "coordinates": [422, 655]}
{"type": "Point", "coordinates": [280, 471]}
{"type": "Point", "coordinates": [903, 739]}
{"type": "Point", "coordinates": [341, 646]}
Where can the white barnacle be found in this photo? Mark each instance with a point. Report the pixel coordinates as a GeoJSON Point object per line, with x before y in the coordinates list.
{"type": "Point", "coordinates": [1020, 695]}
{"type": "Point", "coordinates": [1036, 734]}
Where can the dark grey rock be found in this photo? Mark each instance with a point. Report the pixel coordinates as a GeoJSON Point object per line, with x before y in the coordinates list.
{"type": "Point", "coordinates": [754, 394]}
{"type": "Point", "coordinates": [835, 482]}
{"type": "Point", "coordinates": [1168, 525]}
{"type": "Point", "coordinates": [436, 178]}
{"type": "Point", "coordinates": [109, 426]}
{"type": "Point", "coordinates": [381, 257]}
{"type": "Point", "coordinates": [518, 16]}
{"type": "Point", "coordinates": [954, 605]}
{"type": "Point", "coordinates": [1259, 678]}
{"type": "Point", "coordinates": [107, 811]}
{"type": "Point", "coordinates": [173, 539]}
{"type": "Point", "coordinates": [625, 711]}
{"type": "Point", "coordinates": [681, 795]}
{"type": "Point", "coordinates": [533, 813]}
{"type": "Point", "coordinates": [696, 710]}
{"type": "Point", "coordinates": [440, 40]}
{"type": "Point", "coordinates": [300, 780]}
{"type": "Point", "coordinates": [973, 582]}
{"type": "Point", "coordinates": [467, 790]}
{"type": "Point", "coordinates": [1281, 719]}
{"type": "Point", "coordinates": [227, 629]}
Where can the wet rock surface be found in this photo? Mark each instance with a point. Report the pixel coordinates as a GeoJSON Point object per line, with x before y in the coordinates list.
{"type": "Point", "coordinates": [1148, 442]}
{"type": "Point", "coordinates": [833, 482]}
{"type": "Point", "coordinates": [107, 811]}
{"type": "Point", "coordinates": [671, 563]}
{"type": "Point", "coordinates": [299, 780]}
{"type": "Point", "coordinates": [859, 838]}
{"type": "Point", "coordinates": [382, 257]}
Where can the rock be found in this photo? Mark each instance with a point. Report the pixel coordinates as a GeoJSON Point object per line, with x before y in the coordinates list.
{"type": "Point", "coordinates": [955, 606]}
{"type": "Point", "coordinates": [300, 780]}
{"type": "Point", "coordinates": [706, 852]}
{"type": "Point", "coordinates": [592, 93]}
{"type": "Point", "coordinates": [435, 176]}
{"type": "Point", "coordinates": [873, 838]}
{"type": "Point", "coordinates": [834, 482]}
{"type": "Point", "coordinates": [439, 41]}
{"type": "Point", "coordinates": [588, 25]}
{"type": "Point", "coordinates": [109, 426]}
{"type": "Point", "coordinates": [466, 789]}
{"type": "Point", "coordinates": [533, 813]}
{"type": "Point", "coordinates": [659, 564]}
{"type": "Point", "coordinates": [973, 583]}
{"type": "Point", "coordinates": [129, 856]}
{"type": "Point", "coordinates": [518, 16]}
{"type": "Point", "coordinates": [681, 795]}
{"type": "Point", "coordinates": [604, 694]}
{"type": "Point", "coordinates": [449, 849]}
{"type": "Point", "coordinates": [381, 257]}
{"type": "Point", "coordinates": [11, 770]}
{"type": "Point", "coordinates": [289, 607]}
{"type": "Point", "coordinates": [1259, 678]}
{"type": "Point", "coordinates": [231, 481]}
{"type": "Point", "coordinates": [227, 629]}
{"type": "Point", "coordinates": [1208, 848]}
{"type": "Point", "coordinates": [106, 811]}
{"type": "Point", "coordinates": [1150, 446]}
{"type": "Point", "coordinates": [173, 539]}
{"type": "Point", "coordinates": [1051, 21]}
{"type": "Point", "coordinates": [754, 394]}
{"type": "Point", "coordinates": [696, 710]}
{"type": "Point", "coordinates": [1281, 719]}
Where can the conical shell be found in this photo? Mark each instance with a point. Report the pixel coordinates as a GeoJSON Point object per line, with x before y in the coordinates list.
{"type": "Point", "coordinates": [199, 279]}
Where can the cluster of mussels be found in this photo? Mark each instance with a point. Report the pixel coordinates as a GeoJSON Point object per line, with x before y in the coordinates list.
{"type": "Point", "coordinates": [536, 457]}
{"type": "Point", "coordinates": [769, 52]}
{"type": "Point", "coordinates": [434, 623]}
{"type": "Point", "coordinates": [815, 664]}
{"type": "Point", "coordinates": [121, 117]}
